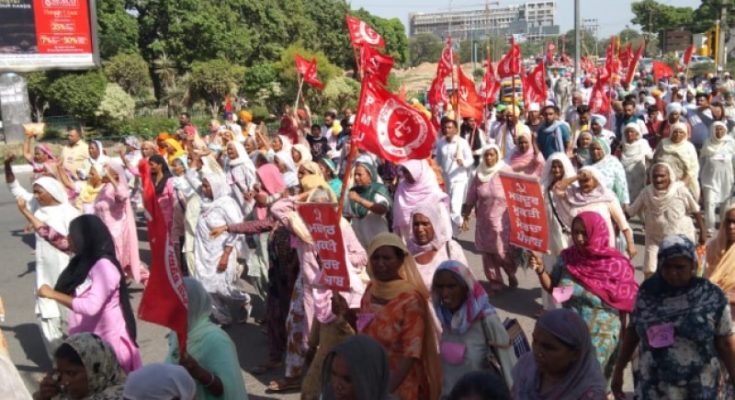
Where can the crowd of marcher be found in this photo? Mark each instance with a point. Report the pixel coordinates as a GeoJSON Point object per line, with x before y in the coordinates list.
{"type": "Point", "coordinates": [416, 323]}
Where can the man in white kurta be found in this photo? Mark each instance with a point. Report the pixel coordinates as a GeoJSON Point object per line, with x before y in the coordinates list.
{"type": "Point", "coordinates": [454, 156]}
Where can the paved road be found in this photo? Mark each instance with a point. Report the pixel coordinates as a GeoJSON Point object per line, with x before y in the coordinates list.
{"type": "Point", "coordinates": [27, 351]}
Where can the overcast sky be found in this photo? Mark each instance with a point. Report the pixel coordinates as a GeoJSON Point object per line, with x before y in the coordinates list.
{"type": "Point", "coordinates": [612, 15]}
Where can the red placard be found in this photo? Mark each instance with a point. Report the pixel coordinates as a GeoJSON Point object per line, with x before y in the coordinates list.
{"type": "Point", "coordinates": [62, 26]}
{"type": "Point", "coordinates": [323, 223]}
{"type": "Point", "coordinates": [528, 226]}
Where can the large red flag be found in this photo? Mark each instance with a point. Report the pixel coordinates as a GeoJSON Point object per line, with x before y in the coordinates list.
{"type": "Point", "coordinates": [536, 82]}
{"type": "Point", "coordinates": [390, 128]}
{"type": "Point", "coordinates": [362, 33]}
{"type": "Point", "coordinates": [164, 299]}
{"type": "Point", "coordinates": [661, 70]}
{"type": "Point", "coordinates": [490, 85]}
{"type": "Point", "coordinates": [687, 58]}
{"type": "Point", "coordinates": [446, 61]}
{"type": "Point", "coordinates": [307, 69]}
{"type": "Point", "coordinates": [510, 64]}
{"type": "Point", "coordinates": [550, 47]}
{"type": "Point", "coordinates": [375, 63]}
{"type": "Point", "coordinates": [470, 104]}
{"type": "Point", "coordinates": [626, 55]}
{"type": "Point", "coordinates": [612, 64]}
{"type": "Point", "coordinates": [633, 65]}
{"type": "Point", "coordinates": [599, 102]}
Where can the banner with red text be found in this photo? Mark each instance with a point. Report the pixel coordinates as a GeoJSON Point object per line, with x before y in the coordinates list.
{"type": "Point", "coordinates": [528, 225]}
{"type": "Point", "coordinates": [323, 223]}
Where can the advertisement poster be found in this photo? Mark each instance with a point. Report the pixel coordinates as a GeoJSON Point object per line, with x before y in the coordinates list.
{"type": "Point", "coordinates": [46, 34]}
{"type": "Point", "coordinates": [323, 223]}
{"type": "Point", "coordinates": [528, 224]}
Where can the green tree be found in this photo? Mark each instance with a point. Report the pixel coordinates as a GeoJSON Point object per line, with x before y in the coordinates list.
{"type": "Point", "coordinates": [130, 71]}
{"type": "Point", "coordinates": [655, 18]}
{"type": "Point", "coordinates": [424, 47]}
{"type": "Point", "coordinates": [118, 29]}
{"type": "Point", "coordinates": [116, 105]}
{"type": "Point", "coordinates": [288, 76]}
{"type": "Point", "coordinates": [341, 92]}
{"type": "Point", "coordinates": [38, 84]}
{"type": "Point", "coordinates": [212, 80]}
{"type": "Point", "coordinates": [588, 43]}
{"type": "Point", "coordinates": [78, 94]}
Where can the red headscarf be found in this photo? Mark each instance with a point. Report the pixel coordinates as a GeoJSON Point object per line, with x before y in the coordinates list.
{"type": "Point", "coordinates": [602, 269]}
{"type": "Point", "coordinates": [271, 182]}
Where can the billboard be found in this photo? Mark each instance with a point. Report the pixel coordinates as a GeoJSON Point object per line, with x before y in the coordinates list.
{"type": "Point", "coordinates": [47, 34]}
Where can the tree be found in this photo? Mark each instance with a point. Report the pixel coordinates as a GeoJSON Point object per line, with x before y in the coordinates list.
{"type": "Point", "coordinates": [588, 43]}
{"type": "Point", "coordinates": [213, 80]}
{"type": "Point", "coordinates": [130, 71]}
{"type": "Point", "coordinates": [78, 94]}
{"type": "Point", "coordinates": [655, 18]}
{"type": "Point", "coordinates": [116, 105]}
{"type": "Point", "coordinates": [341, 92]}
{"type": "Point", "coordinates": [424, 47]}
{"type": "Point", "coordinates": [118, 29]}
{"type": "Point", "coordinates": [38, 83]}
{"type": "Point", "coordinates": [288, 77]}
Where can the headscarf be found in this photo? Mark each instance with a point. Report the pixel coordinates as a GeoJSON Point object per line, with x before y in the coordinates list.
{"type": "Point", "coordinates": [271, 182]}
{"type": "Point", "coordinates": [290, 178]}
{"type": "Point", "coordinates": [93, 242]}
{"type": "Point", "coordinates": [159, 381]}
{"type": "Point", "coordinates": [518, 160]}
{"type": "Point", "coordinates": [409, 195]}
{"type": "Point", "coordinates": [335, 183]}
{"type": "Point", "coordinates": [411, 282]}
{"type": "Point", "coordinates": [161, 186]}
{"type": "Point", "coordinates": [440, 224]}
{"type": "Point", "coordinates": [671, 247]}
{"type": "Point", "coordinates": [546, 179]}
{"type": "Point", "coordinates": [105, 376]}
{"type": "Point", "coordinates": [475, 307]}
{"type": "Point", "coordinates": [368, 192]}
{"type": "Point", "coordinates": [304, 151]}
{"type": "Point", "coordinates": [45, 149]}
{"type": "Point", "coordinates": [720, 259]}
{"type": "Point", "coordinates": [133, 142]}
{"type": "Point", "coordinates": [242, 155]}
{"type": "Point", "coordinates": [486, 172]}
{"type": "Point", "coordinates": [713, 146]}
{"type": "Point", "coordinates": [601, 269]}
{"type": "Point", "coordinates": [178, 150]}
{"type": "Point", "coordinates": [577, 198]}
{"type": "Point", "coordinates": [102, 157]}
{"type": "Point", "coordinates": [220, 192]}
{"type": "Point", "coordinates": [635, 152]}
{"type": "Point", "coordinates": [583, 153]}
{"type": "Point", "coordinates": [368, 363]}
{"type": "Point", "coordinates": [53, 187]}
{"type": "Point", "coordinates": [584, 378]}
{"type": "Point", "coordinates": [661, 200]}
{"type": "Point", "coordinates": [312, 168]}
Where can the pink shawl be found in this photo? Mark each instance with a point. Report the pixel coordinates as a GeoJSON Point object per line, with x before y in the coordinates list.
{"type": "Point", "coordinates": [524, 163]}
{"type": "Point", "coordinates": [425, 189]}
{"type": "Point", "coordinates": [271, 182]}
{"type": "Point", "coordinates": [602, 269]}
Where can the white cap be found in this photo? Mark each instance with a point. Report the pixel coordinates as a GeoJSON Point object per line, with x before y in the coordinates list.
{"type": "Point", "coordinates": [534, 107]}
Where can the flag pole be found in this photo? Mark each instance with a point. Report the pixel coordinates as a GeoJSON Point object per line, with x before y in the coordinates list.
{"type": "Point", "coordinates": [353, 148]}
{"type": "Point", "coordinates": [298, 94]}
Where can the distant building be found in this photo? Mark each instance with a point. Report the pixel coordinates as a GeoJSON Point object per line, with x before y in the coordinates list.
{"type": "Point", "coordinates": [533, 20]}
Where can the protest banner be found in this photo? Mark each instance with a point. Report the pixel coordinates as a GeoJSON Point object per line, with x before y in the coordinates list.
{"type": "Point", "coordinates": [528, 226]}
{"type": "Point", "coordinates": [322, 221]}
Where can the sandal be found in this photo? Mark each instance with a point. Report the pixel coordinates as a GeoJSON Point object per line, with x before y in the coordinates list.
{"type": "Point", "coordinates": [283, 385]}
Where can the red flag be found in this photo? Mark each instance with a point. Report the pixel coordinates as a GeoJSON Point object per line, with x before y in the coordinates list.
{"type": "Point", "coordinates": [510, 64]}
{"type": "Point", "coordinates": [308, 71]}
{"type": "Point", "coordinates": [550, 47]}
{"type": "Point", "coordinates": [634, 63]}
{"type": "Point", "coordinates": [375, 63]}
{"type": "Point", "coordinates": [164, 299]}
{"type": "Point", "coordinates": [470, 104]}
{"type": "Point", "coordinates": [599, 102]}
{"type": "Point", "coordinates": [490, 85]}
{"type": "Point", "coordinates": [626, 55]}
{"type": "Point", "coordinates": [446, 61]}
{"type": "Point", "coordinates": [661, 70]}
{"type": "Point", "coordinates": [687, 58]}
{"type": "Point", "coordinates": [362, 33]}
{"type": "Point", "coordinates": [390, 128]}
{"type": "Point", "coordinates": [612, 65]}
{"type": "Point", "coordinates": [536, 83]}
{"type": "Point", "coordinates": [587, 65]}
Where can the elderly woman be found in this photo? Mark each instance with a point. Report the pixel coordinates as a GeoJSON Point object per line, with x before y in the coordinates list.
{"type": "Point", "coordinates": [635, 156]}
{"type": "Point", "coordinates": [395, 312]}
{"type": "Point", "coordinates": [562, 364]}
{"type": "Point", "coordinates": [240, 172]}
{"type": "Point", "coordinates": [673, 116]}
{"type": "Point", "coordinates": [525, 157]}
{"type": "Point", "coordinates": [611, 169]}
{"type": "Point", "coordinates": [331, 175]}
{"type": "Point", "coordinates": [160, 381]}
{"type": "Point", "coordinates": [93, 287]}
{"type": "Point", "coordinates": [418, 185]}
{"type": "Point", "coordinates": [582, 154]}
{"type": "Point", "coordinates": [681, 155]}
{"type": "Point", "coordinates": [41, 157]}
{"type": "Point", "coordinates": [211, 356]}
{"type": "Point", "coordinates": [557, 168]}
{"type": "Point", "coordinates": [589, 194]}
{"type": "Point", "coordinates": [300, 153]}
{"type": "Point", "coordinates": [717, 173]}
{"type": "Point", "coordinates": [356, 369]}
{"type": "Point", "coordinates": [492, 232]}
{"type": "Point", "coordinates": [286, 165]}
{"type": "Point", "coordinates": [594, 280]}
{"type": "Point", "coordinates": [48, 204]}
{"type": "Point", "coordinates": [214, 257]}
{"type": "Point", "coordinates": [97, 154]}
{"type": "Point", "coordinates": [174, 150]}
{"type": "Point", "coordinates": [666, 207]}
{"type": "Point", "coordinates": [471, 328]}
{"type": "Point", "coordinates": [598, 131]}
{"type": "Point", "coordinates": [85, 368]}
{"type": "Point", "coordinates": [431, 241]}
{"type": "Point", "coordinates": [683, 327]}
{"type": "Point", "coordinates": [369, 204]}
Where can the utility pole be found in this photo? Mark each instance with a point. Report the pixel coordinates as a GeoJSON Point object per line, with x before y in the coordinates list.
{"type": "Point", "coordinates": [577, 43]}
{"type": "Point", "coordinates": [722, 32]}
